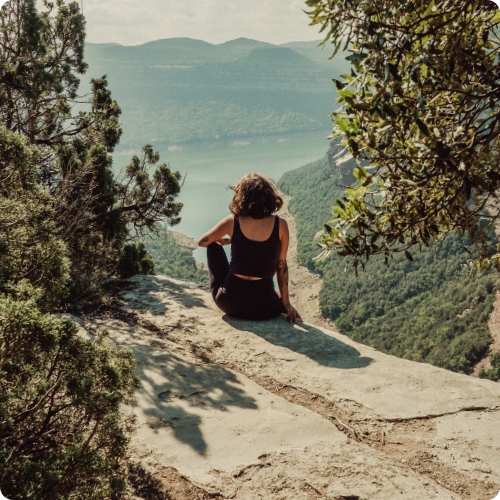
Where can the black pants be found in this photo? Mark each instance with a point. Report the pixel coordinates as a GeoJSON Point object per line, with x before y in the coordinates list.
{"type": "Point", "coordinates": [239, 298]}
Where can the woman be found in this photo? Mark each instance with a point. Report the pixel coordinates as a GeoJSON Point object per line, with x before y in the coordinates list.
{"type": "Point", "coordinates": [259, 240]}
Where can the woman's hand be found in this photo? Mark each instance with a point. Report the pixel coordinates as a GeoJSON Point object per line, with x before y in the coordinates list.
{"type": "Point", "coordinates": [224, 241]}
{"type": "Point", "coordinates": [292, 314]}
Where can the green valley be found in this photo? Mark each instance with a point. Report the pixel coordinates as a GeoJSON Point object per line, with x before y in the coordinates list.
{"type": "Point", "coordinates": [430, 310]}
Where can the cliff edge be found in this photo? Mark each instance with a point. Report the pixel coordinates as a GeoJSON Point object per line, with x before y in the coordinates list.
{"type": "Point", "coordinates": [249, 410]}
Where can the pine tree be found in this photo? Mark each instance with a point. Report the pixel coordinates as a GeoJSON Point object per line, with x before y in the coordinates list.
{"type": "Point", "coordinates": [41, 60]}
{"type": "Point", "coordinates": [61, 433]}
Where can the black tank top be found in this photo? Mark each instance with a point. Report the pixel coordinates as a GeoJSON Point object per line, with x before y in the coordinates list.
{"type": "Point", "coordinates": [255, 258]}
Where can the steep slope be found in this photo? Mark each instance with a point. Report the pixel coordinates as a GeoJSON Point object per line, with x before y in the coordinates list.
{"type": "Point", "coordinates": [278, 411]}
{"type": "Point", "coordinates": [429, 310]}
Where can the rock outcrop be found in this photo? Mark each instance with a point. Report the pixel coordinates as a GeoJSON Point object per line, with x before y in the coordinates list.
{"type": "Point", "coordinates": [270, 410]}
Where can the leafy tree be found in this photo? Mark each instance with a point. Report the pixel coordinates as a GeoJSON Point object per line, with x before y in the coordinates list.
{"type": "Point", "coordinates": [420, 114]}
{"type": "Point", "coordinates": [429, 309]}
{"type": "Point", "coordinates": [41, 57]}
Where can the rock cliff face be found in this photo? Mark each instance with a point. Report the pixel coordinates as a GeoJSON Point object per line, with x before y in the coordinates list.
{"type": "Point", "coordinates": [248, 410]}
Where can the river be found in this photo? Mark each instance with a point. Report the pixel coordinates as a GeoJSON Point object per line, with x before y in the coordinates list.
{"type": "Point", "coordinates": [209, 168]}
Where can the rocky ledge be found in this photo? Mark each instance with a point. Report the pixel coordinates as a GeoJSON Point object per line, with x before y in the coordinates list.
{"type": "Point", "coordinates": [249, 410]}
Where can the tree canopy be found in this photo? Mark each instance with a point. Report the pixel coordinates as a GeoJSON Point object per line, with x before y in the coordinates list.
{"type": "Point", "coordinates": [41, 61]}
{"type": "Point", "coordinates": [420, 115]}
{"type": "Point", "coordinates": [66, 223]}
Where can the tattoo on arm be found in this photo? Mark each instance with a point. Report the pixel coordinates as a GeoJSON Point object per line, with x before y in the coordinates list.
{"type": "Point", "coordinates": [205, 239]}
{"type": "Point", "coordinates": [282, 278]}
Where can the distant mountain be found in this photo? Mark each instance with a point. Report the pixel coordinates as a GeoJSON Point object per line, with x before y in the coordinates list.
{"type": "Point", "coordinates": [175, 50]}
{"type": "Point", "coordinates": [312, 50]}
{"type": "Point", "coordinates": [179, 89]}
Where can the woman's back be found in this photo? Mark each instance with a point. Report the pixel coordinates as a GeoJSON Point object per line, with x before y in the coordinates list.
{"type": "Point", "coordinates": [255, 247]}
{"type": "Point", "coordinates": [259, 244]}
{"type": "Point", "coordinates": [257, 229]}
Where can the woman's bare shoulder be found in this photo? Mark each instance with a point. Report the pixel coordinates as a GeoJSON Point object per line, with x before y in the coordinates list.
{"type": "Point", "coordinates": [283, 226]}
{"type": "Point", "coordinates": [227, 222]}
{"type": "Point", "coordinates": [283, 222]}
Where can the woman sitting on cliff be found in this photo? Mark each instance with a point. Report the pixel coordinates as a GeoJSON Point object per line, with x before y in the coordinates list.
{"type": "Point", "coordinates": [259, 243]}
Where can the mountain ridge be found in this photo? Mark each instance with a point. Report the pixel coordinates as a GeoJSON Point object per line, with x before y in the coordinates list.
{"type": "Point", "coordinates": [175, 91]}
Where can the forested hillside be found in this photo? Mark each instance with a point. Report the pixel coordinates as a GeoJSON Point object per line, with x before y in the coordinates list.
{"type": "Point", "coordinates": [173, 260]}
{"type": "Point", "coordinates": [179, 90]}
{"type": "Point", "coordinates": [429, 310]}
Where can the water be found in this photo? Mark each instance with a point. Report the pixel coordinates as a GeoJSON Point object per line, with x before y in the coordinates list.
{"type": "Point", "coordinates": [210, 168]}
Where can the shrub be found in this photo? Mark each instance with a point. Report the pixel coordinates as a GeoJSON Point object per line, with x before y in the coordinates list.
{"type": "Point", "coordinates": [135, 260]}
{"type": "Point", "coordinates": [494, 372]}
{"type": "Point", "coordinates": [61, 431]}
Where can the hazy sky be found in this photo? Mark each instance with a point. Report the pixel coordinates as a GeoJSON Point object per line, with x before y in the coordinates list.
{"type": "Point", "coordinates": [131, 22]}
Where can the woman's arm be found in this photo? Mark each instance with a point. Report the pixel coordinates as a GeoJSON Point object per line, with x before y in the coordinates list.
{"type": "Point", "coordinates": [282, 274]}
{"type": "Point", "coordinates": [217, 233]}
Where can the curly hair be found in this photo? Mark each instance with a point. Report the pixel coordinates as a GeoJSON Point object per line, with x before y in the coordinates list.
{"type": "Point", "coordinates": [256, 196]}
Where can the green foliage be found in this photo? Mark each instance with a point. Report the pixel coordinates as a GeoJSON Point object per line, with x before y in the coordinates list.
{"type": "Point", "coordinates": [494, 372]}
{"type": "Point", "coordinates": [63, 220]}
{"type": "Point", "coordinates": [173, 260]}
{"type": "Point", "coordinates": [135, 260]}
{"type": "Point", "coordinates": [420, 112]}
{"type": "Point", "coordinates": [429, 309]}
{"type": "Point", "coordinates": [29, 243]}
{"type": "Point", "coordinates": [61, 434]}
{"type": "Point", "coordinates": [41, 58]}
{"type": "Point", "coordinates": [179, 90]}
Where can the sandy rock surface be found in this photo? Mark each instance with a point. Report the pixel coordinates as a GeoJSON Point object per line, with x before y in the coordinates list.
{"type": "Point", "coordinates": [249, 410]}
{"type": "Point", "coordinates": [494, 327]}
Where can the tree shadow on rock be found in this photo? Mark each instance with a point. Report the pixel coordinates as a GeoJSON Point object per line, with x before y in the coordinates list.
{"type": "Point", "coordinates": [305, 339]}
{"type": "Point", "coordinates": [177, 394]}
{"type": "Point", "coordinates": [145, 295]}
{"type": "Point", "coordinates": [145, 484]}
